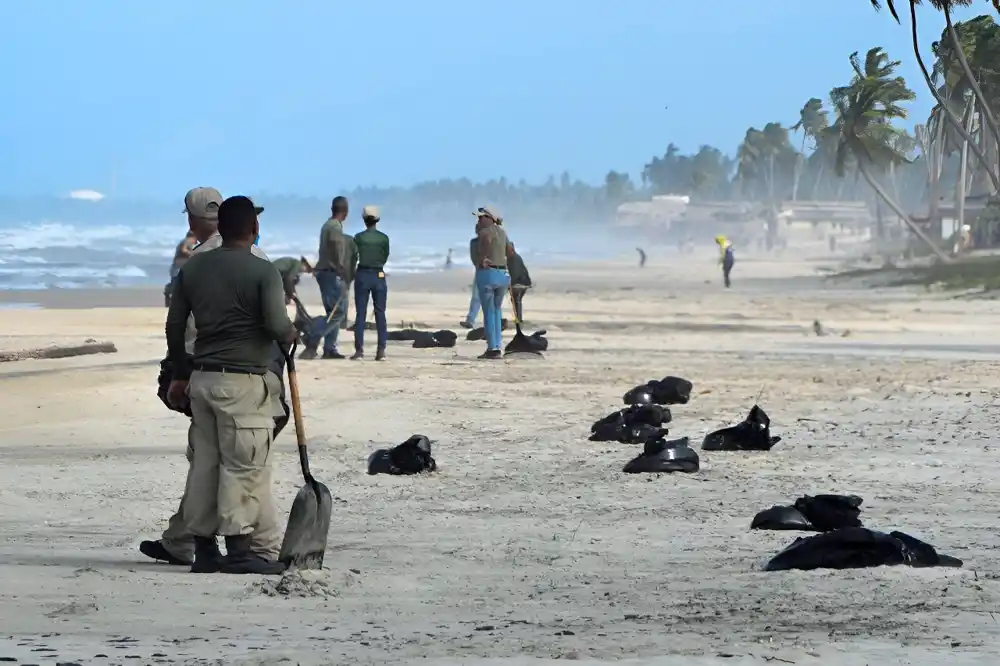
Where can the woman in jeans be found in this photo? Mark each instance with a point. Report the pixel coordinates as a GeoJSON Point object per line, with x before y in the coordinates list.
{"type": "Point", "coordinates": [492, 280]}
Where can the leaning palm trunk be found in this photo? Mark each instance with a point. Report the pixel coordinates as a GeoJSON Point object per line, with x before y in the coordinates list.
{"type": "Point", "coordinates": [898, 210]}
{"type": "Point", "coordinates": [953, 120]}
{"type": "Point", "coordinates": [984, 106]}
{"type": "Point", "coordinates": [819, 180]}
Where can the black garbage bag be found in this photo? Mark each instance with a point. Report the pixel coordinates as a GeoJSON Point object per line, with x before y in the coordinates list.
{"type": "Point", "coordinates": [639, 433]}
{"type": "Point", "coordinates": [753, 434]}
{"type": "Point", "coordinates": [819, 513]}
{"type": "Point", "coordinates": [618, 426]}
{"type": "Point", "coordinates": [639, 395]}
{"type": "Point", "coordinates": [479, 333]}
{"type": "Point", "coordinates": [536, 343]}
{"type": "Point", "coordinates": [671, 391]}
{"type": "Point", "coordinates": [308, 328]}
{"type": "Point", "coordinates": [407, 335]}
{"type": "Point", "coordinates": [411, 457]}
{"type": "Point", "coordinates": [858, 547]}
{"type": "Point", "coordinates": [830, 512]}
{"type": "Point", "coordinates": [660, 456]}
{"type": "Point", "coordinates": [782, 518]}
{"type": "Point", "coordinates": [667, 391]}
{"type": "Point", "coordinates": [442, 338]}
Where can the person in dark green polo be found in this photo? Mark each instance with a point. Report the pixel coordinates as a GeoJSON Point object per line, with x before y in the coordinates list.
{"type": "Point", "coordinates": [373, 253]}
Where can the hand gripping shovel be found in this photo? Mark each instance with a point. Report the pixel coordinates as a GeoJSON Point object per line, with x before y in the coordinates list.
{"type": "Point", "coordinates": [309, 520]}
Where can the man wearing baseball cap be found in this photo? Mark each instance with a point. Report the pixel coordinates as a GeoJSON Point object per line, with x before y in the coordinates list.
{"type": "Point", "coordinates": [176, 545]}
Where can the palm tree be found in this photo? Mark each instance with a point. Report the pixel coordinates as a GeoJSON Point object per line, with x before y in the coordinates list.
{"type": "Point", "coordinates": [812, 122]}
{"type": "Point", "coordinates": [866, 137]}
{"type": "Point", "coordinates": [946, 110]}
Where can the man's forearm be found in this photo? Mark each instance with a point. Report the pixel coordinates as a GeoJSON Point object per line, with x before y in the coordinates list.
{"type": "Point", "coordinates": [175, 350]}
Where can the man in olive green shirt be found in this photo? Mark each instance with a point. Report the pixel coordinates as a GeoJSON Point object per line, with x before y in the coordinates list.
{"type": "Point", "coordinates": [239, 319]}
{"type": "Point", "coordinates": [373, 253]}
{"type": "Point", "coordinates": [291, 270]}
{"type": "Point", "coordinates": [334, 272]}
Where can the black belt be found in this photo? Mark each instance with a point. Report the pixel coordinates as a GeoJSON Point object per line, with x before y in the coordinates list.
{"type": "Point", "coordinates": [213, 367]}
{"type": "Point", "coordinates": [370, 268]}
{"type": "Point", "coordinates": [486, 268]}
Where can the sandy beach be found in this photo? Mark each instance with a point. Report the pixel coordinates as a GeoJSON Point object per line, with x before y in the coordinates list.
{"type": "Point", "coordinates": [529, 543]}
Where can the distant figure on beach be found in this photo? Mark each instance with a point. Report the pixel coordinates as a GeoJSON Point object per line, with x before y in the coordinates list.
{"type": "Point", "coordinates": [964, 241]}
{"type": "Point", "coordinates": [448, 263]}
{"type": "Point", "coordinates": [520, 283]}
{"type": "Point", "coordinates": [474, 305]}
{"type": "Point", "coordinates": [642, 257]}
{"type": "Point", "coordinates": [291, 270]}
{"type": "Point", "coordinates": [369, 282]}
{"type": "Point", "coordinates": [493, 249]}
{"type": "Point", "coordinates": [726, 258]}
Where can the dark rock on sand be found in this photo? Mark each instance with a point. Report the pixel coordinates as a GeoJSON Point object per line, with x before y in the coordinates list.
{"type": "Point", "coordinates": [753, 434]}
{"type": "Point", "coordinates": [411, 457]}
{"type": "Point", "coordinates": [858, 547]}
{"type": "Point", "coordinates": [629, 425]}
{"type": "Point", "coordinates": [660, 455]}
{"type": "Point", "coordinates": [819, 513]}
{"type": "Point", "coordinates": [667, 391]}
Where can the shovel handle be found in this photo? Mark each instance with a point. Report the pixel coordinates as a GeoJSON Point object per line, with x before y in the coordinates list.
{"type": "Point", "coordinates": [300, 432]}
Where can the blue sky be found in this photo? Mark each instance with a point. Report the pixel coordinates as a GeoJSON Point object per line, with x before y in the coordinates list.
{"type": "Point", "coordinates": [312, 97]}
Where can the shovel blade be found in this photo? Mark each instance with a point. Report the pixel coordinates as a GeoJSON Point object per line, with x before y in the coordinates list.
{"type": "Point", "coordinates": [308, 526]}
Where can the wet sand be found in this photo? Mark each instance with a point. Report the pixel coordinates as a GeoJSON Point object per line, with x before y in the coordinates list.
{"type": "Point", "coordinates": [529, 543]}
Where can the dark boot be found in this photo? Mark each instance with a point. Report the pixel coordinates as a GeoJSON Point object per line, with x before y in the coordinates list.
{"type": "Point", "coordinates": [155, 551]}
{"type": "Point", "coordinates": [206, 555]}
{"type": "Point", "coordinates": [359, 354]}
{"type": "Point", "coordinates": [241, 560]}
{"type": "Point", "coordinates": [380, 354]}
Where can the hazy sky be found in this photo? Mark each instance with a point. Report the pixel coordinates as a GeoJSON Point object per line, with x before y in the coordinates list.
{"type": "Point", "coordinates": [316, 96]}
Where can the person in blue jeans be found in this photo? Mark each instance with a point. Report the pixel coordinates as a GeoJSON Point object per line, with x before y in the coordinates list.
{"type": "Point", "coordinates": [493, 249]}
{"type": "Point", "coordinates": [334, 272]}
{"type": "Point", "coordinates": [474, 305]}
{"type": "Point", "coordinates": [369, 281]}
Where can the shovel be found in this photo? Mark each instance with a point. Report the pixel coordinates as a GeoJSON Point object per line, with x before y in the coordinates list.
{"type": "Point", "coordinates": [309, 520]}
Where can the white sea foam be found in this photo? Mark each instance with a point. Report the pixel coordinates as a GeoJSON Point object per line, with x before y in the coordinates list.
{"type": "Point", "coordinates": [50, 253]}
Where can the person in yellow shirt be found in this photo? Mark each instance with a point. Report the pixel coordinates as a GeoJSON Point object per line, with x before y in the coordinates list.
{"type": "Point", "coordinates": [726, 258]}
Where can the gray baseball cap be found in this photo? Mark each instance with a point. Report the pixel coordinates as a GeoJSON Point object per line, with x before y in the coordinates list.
{"type": "Point", "coordinates": [203, 203]}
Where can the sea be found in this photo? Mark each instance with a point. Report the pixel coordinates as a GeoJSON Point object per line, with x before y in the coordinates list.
{"type": "Point", "coordinates": [62, 255]}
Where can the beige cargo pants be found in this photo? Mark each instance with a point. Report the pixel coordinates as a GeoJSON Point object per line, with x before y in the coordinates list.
{"type": "Point", "coordinates": [266, 534]}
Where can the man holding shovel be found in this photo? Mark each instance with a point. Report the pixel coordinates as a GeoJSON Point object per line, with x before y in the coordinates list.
{"type": "Point", "coordinates": [239, 319]}
{"type": "Point", "coordinates": [176, 545]}
{"type": "Point", "coordinates": [334, 272]}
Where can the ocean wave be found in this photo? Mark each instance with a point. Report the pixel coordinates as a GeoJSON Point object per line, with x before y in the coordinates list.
{"type": "Point", "coordinates": [56, 254]}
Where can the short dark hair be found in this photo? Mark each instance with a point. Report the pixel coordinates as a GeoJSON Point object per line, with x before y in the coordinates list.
{"type": "Point", "coordinates": [237, 218]}
{"type": "Point", "coordinates": [339, 205]}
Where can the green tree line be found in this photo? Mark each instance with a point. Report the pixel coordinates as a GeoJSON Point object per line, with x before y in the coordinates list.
{"type": "Point", "coordinates": [847, 143]}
